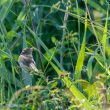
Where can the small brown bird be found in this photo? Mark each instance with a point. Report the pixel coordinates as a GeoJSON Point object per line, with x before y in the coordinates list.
{"type": "Point", "coordinates": [26, 60]}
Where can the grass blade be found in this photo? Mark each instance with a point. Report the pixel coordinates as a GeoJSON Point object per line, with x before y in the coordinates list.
{"type": "Point", "coordinates": [80, 60]}
{"type": "Point", "coordinates": [5, 9]}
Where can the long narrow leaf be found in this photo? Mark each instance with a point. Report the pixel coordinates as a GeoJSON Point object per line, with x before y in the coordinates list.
{"type": "Point", "coordinates": [5, 9]}
{"type": "Point", "coordinates": [80, 60]}
{"type": "Point", "coordinates": [105, 36]}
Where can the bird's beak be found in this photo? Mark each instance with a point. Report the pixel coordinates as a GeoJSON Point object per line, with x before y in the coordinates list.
{"type": "Point", "coordinates": [32, 48]}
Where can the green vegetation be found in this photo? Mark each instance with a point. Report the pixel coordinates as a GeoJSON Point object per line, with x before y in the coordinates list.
{"type": "Point", "coordinates": [71, 41]}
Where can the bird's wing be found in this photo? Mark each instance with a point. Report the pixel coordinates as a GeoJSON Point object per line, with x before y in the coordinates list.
{"type": "Point", "coordinates": [33, 66]}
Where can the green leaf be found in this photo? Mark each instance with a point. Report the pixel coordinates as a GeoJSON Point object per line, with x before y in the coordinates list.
{"type": "Point", "coordinates": [5, 9]}
{"type": "Point", "coordinates": [80, 59]}
{"type": "Point", "coordinates": [8, 77]}
{"type": "Point", "coordinates": [104, 38]}
{"type": "Point", "coordinates": [89, 64]}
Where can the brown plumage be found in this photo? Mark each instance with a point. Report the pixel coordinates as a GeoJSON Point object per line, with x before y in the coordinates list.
{"type": "Point", "coordinates": [26, 60]}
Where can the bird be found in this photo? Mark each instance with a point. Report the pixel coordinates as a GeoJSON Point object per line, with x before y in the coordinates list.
{"type": "Point", "coordinates": [28, 65]}
{"type": "Point", "coordinates": [26, 60]}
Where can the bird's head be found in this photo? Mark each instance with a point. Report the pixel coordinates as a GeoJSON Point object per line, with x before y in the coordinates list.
{"type": "Point", "coordinates": [27, 51]}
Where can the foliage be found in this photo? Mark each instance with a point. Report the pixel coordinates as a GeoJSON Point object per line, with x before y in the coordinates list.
{"type": "Point", "coordinates": [71, 41]}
